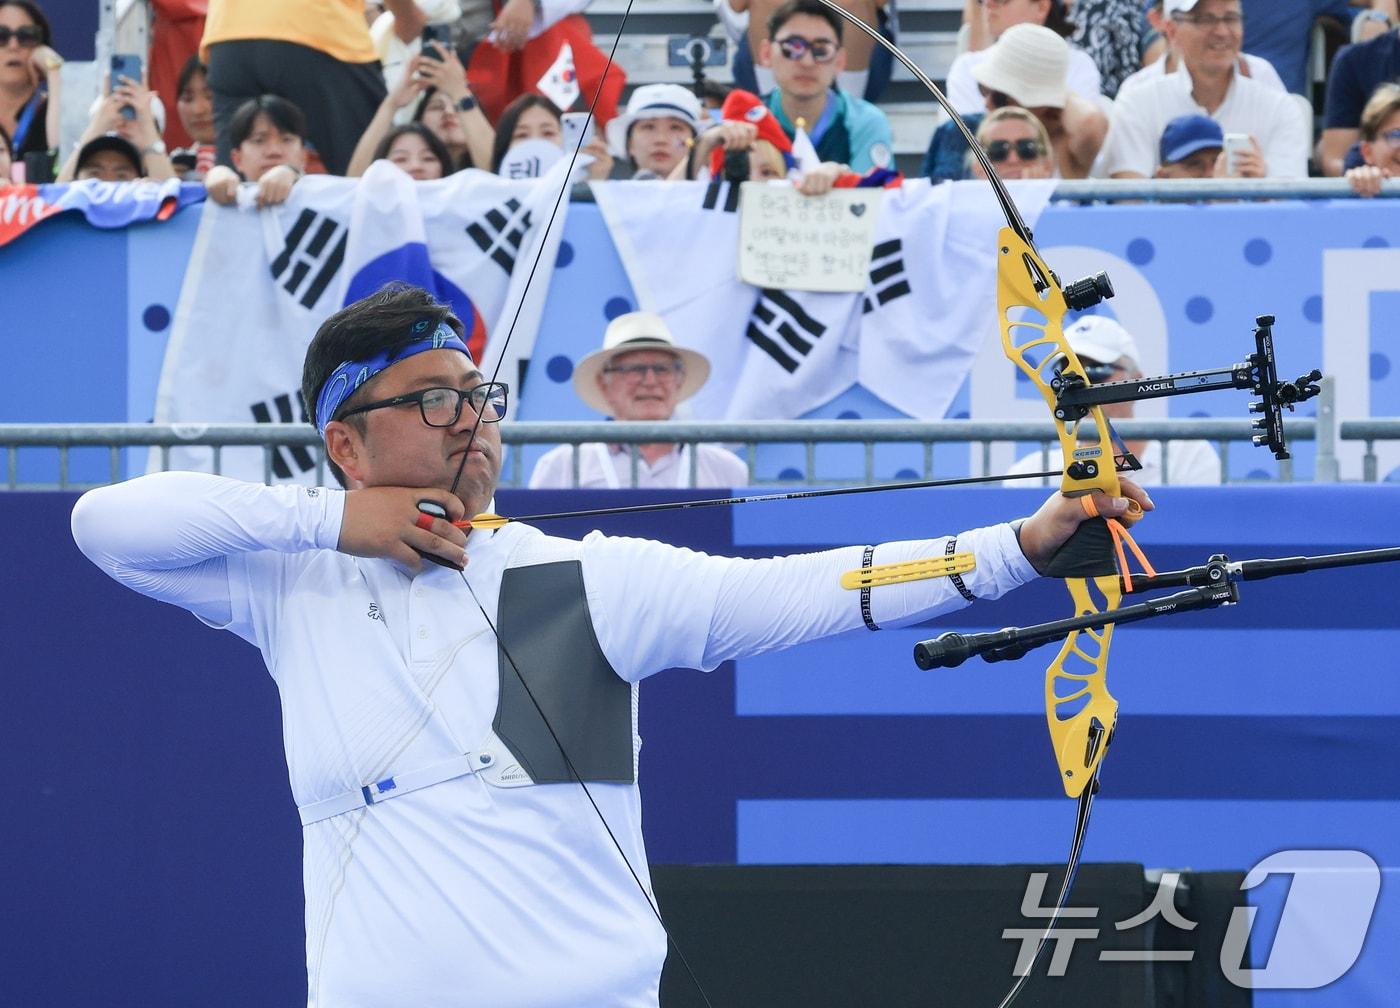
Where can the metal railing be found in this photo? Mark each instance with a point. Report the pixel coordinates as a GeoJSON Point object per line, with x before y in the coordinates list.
{"type": "Point", "coordinates": [811, 434]}
{"type": "Point", "coordinates": [1369, 432]}
{"type": "Point", "coordinates": [1192, 190]}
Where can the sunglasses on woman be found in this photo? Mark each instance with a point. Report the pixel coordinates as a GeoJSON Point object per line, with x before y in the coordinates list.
{"type": "Point", "coordinates": [29, 36]}
{"type": "Point", "coordinates": [1026, 150]}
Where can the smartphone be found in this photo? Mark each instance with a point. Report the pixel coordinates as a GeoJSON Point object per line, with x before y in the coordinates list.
{"type": "Point", "coordinates": [435, 40]}
{"type": "Point", "coordinates": [578, 130]}
{"type": "Point", "coordinates": [1234, 143]}
{"type": "Point", "coordinates": [126, 65]}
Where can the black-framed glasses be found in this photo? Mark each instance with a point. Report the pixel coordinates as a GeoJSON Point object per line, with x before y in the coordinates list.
{"type": "Point", "coordinates": [441, 407]}
{"type": "Point", "coordinates": [29, 35]}
{"type": "Point", "coordinates": [636, 372]}
{"type": "Point", "coordinates": [1231, 19]}
{"type": "Point", "coordinates": [794, 47]}
{"type": "Point", "coordinates": [1027, 150]}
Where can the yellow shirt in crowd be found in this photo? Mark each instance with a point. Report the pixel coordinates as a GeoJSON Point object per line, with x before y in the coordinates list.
{"type": "Point", "coordinates": [335, 27]}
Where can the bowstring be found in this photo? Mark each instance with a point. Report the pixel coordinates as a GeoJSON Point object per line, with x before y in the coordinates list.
{"type": "Point", "coordinates": [461, 466]}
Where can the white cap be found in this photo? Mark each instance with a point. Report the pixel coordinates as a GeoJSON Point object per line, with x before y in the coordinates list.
{"type": "Point", "coordinates": [1029, 64]}
{"type": "Point", "coordinates": [1101, 340]}
{"type": "Point", "coordinates": [1174, 6]}
{"type": "Point", "coordinates": [654, 101]}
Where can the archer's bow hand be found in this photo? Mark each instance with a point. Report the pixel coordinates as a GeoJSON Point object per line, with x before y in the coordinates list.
{"type": "Point", "coordinates": [1043, 533]}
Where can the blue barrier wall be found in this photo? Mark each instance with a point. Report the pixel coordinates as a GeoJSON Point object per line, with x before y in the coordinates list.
{"type": "Point", "coordinates": [151, 844]}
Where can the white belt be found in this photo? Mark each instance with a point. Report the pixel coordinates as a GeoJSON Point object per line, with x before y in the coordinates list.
{"type": "Point", "coordinates": [392, 787]}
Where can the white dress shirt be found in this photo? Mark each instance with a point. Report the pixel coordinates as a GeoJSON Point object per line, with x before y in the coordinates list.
{"type": "Point", "coordinates": [1260, 69]}
{"type": "Point", "coordinates": [1269, 115]}
{"type": "Point", "coordinates": [603, 466]}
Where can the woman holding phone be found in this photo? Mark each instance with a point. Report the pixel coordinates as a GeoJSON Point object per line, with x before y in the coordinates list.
{"type": "Point", "coordinates": [30, 81]}
{"type": "Point", "coordinates": [447, 109]}
{"type": "Point", "coordinates": [127, 110]}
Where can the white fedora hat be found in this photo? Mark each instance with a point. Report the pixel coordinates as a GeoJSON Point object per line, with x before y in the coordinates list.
{"type": "Point", "coordinates": [654, 101]}
{"type": "Point", "coordinates": [1029, 64]}
{"type": "Point", "coordinates": [639, 330]}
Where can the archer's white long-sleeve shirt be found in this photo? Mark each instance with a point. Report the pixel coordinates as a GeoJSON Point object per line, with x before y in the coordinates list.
{"type": "Point", "coordinates": [472, 891]}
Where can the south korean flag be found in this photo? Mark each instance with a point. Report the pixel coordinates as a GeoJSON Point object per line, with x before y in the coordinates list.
{"type": "Point", "coordinates": [560, 82]}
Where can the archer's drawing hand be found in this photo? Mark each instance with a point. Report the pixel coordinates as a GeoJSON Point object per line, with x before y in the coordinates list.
{"type": "Point", "coordinates": [385, 522]}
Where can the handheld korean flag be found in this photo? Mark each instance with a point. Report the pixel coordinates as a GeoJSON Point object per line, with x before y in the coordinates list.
{"type": "Point", "coordinates": [560, 82]}
{"type": "Point", "coordinates": [803, 152]}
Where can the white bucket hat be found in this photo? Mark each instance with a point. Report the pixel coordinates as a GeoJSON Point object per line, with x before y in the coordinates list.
{"type": "Point", "coordinates": [640, 330]}
{"type": "Point", "coordinates": [1029, 64]}
{"type": "Point", "coordinates": [1101, 340]}
{"type": "Point", "coordinates": [654, 101]}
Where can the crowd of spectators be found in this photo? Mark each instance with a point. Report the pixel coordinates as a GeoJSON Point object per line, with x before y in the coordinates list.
{"type": "Point", "coordinates": [1064, 88]}
{"type": "Point", "coordinates": [1167, 75]}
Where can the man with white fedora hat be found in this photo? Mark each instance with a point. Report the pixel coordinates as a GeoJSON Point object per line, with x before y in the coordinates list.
{"type": "Point", "coordinates": [640, 374]}
{"type": "Point", "coordinates": [1028, 66]}
{"type": "Point", "coordinates": [656, 130]}
{"type": "Point", "coordinates": [1109, 353]}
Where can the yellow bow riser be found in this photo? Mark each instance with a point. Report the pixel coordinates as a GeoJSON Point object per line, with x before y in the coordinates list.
{"type": "Point", "coordinates": [1032, 312]}
{"type": "Point", "coordinates": [1079, 710]}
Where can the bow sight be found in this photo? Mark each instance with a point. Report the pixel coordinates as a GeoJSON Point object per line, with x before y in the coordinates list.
{"type": "Point", "coordinates": [1074, 397]}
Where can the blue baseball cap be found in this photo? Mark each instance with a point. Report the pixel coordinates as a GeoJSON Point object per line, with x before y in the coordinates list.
{"type": "Point", "coordinates": [1187, 134]}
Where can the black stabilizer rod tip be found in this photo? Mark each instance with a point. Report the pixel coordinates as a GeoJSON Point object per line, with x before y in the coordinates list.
{"type": "Point", "coordinates": [1088, 292]}
{"type": "Point", "coordinates": [948, 650]}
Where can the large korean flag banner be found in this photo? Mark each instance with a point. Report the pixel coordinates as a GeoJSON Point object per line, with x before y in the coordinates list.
{"type": "Point", "coordinates": [261, 281]}
{"type": "Point", "coordinates": [910, 337]}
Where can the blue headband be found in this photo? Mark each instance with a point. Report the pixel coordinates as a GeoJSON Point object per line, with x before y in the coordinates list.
{"type": "Point", "coordinates": [346, 379]}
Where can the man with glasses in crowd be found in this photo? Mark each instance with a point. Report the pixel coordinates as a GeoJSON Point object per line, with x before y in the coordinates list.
{"type": "Point", "coordinates": [1207, 34]}
{"type": "Point", "coordinates": [804, 51]}
{"type": "Point", "coordinates": [640, 375]}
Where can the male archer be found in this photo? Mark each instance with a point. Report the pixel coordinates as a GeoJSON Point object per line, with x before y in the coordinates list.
{"type": "Point", "coordinates": [450, 726]}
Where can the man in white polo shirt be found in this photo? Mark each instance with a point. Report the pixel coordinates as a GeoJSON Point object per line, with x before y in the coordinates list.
{"type": "Point", "coordinates": [1207, 34]}
{"type": "Point", "coordinates": [639, 375]}
{"type": "Point", "coordinates": [459, 733]}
